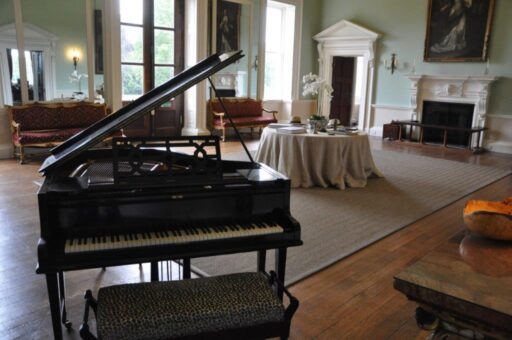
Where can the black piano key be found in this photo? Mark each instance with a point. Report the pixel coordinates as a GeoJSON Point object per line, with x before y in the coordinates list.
{"type": "Point", "coordinates": [71, 241]}
{"type": "Point", "coordinates": [85, 240]}
{"type": "Point", "coordinates": [94, 240]}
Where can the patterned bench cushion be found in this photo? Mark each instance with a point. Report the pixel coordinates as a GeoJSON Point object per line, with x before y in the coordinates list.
{"type": "Point", "coordinates": [163, 310]}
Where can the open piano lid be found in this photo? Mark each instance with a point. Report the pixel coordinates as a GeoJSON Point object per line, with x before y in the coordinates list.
{"type": "Point", "coordinates": [129, 113]}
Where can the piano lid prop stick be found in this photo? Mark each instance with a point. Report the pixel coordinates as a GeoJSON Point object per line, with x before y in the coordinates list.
{"type": "Point", "coordinates": [226, 113]}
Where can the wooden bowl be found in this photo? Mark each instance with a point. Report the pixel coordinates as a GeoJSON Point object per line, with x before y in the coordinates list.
{"type": "Point", "coordinates": [493, 225]}
{"type": "Point", "coordinates": [490, 219]}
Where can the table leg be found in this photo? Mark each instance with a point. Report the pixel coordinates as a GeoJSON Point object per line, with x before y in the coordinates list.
{"type": "Point", "coordinates": [445, 138]}
{"type": "Point", "coordinates": [400, 132]}
{"type": "Point", "coordinates": [421, 134]}
{"type": "Point", "coordinates": [53, 296]}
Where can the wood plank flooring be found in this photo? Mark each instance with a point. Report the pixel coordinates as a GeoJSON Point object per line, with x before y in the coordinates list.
{"type": "Point", "coordinates": [352, 299]}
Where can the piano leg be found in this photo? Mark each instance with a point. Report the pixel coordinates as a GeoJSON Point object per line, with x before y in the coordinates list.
{"type": "Point", "coordinates": [186, 268]}
{"type": "Point", "coordinates": [280, 269]}
{"type": "Point", "coordinates": [53, 296]}
{"type": "Point", "coordinates": [262, 259]}
{"type": "Point", "coordinates": [62, 300]}
{"type": "Point", "coordinates": [154, 271]}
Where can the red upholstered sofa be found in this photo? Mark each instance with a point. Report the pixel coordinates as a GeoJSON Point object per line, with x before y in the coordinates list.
{"type": "Point", "coordinates": [48, 124]}
{"type": "Point", "coordinates": [245, 112]}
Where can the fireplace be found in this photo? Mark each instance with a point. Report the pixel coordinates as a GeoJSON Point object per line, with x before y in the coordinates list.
{"type": "Point", "coordinates": [447, 114]}
{"type": "Point", "coordinates": [470, 92]}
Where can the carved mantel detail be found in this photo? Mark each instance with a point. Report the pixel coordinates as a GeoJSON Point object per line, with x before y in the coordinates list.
{"type": "Point", "coordinates": [452, 89]}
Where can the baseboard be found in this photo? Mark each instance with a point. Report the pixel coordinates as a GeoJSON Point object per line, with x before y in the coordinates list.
{"type": "Point", "coordinates": [6, 151]}
{"type": "Point", "coordinates": [501, 147]}
{"type": "Point", "coordinates": [376, 131]}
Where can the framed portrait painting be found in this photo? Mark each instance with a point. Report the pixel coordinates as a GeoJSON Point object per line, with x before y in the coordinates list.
{"type": "Point", "coordinates": [458, 30]}
{"type": "Point", "coordinates": [227, 26]}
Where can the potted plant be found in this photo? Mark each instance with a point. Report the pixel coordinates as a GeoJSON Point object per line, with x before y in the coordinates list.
{"type": "Point", "coordinates": [314, 86]}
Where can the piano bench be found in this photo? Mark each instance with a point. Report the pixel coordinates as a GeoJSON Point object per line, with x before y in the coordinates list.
{"type": "Point", "coordinates": [235, 306]}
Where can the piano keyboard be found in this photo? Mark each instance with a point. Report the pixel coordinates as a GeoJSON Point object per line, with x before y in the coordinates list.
{"type": "Point", "coordinates": [169, 237]}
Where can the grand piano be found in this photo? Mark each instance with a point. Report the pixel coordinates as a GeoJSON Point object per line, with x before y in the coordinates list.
{"type": "Point", "coordinates": [152, 199]}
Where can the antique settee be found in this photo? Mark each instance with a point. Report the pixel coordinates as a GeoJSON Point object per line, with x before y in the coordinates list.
{"type": "Point", "coordinates": [46, 125]}
{"type": "Point", "coordinates": [245, 113]}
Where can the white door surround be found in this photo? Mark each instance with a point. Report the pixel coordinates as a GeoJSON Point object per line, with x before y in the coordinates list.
{"type": "Point", "coordinates": [347, 39]}
{"type": "Point", "coordinates": [451, 89]}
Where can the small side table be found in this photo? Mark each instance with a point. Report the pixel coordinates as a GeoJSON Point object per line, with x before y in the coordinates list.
{"type": "Point", "coordinates": [390, 131]}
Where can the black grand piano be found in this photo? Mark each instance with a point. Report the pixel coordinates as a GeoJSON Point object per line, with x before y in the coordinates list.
{"type": "Point", "coordinates": [151, 199]}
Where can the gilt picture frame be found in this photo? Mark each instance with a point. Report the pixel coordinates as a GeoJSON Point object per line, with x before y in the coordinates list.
{"type": "Point", "coordinates": [227, 26]}
{"type": "Point", "coordinates": [458, 30]}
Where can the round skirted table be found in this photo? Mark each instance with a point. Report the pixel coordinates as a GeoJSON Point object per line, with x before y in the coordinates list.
{"type": "Point", "coordinates": [319, 159]}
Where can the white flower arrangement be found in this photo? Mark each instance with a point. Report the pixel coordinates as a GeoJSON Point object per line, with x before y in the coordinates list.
{"type": "Point", "coordinates": [75, 77]}
{"type": "Point", "coordinates": [313, 85]}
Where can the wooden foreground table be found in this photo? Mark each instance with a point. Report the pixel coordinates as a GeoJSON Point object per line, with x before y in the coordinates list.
{"type": "Point", "coordinates": [463, 287]}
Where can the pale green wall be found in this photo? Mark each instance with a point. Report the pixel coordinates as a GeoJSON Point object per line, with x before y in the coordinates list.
{"type": "Point", "coordinates": [6, 12]}
{"type": "Point", "coordinates": [402, 24]}
{"type": "Point", "coordinates": [311, 25]}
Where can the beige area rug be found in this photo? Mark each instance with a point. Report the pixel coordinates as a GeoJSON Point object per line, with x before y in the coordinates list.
{"type": "Point", "coordinates": [337, 223]}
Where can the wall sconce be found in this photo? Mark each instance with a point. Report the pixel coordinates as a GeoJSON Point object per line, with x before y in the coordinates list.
{"type": "Point", "coordinates": [75, 55]}
{"type": "Point", "coordinates": [394, 63]}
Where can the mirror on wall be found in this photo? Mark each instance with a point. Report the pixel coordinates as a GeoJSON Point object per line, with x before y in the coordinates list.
{"type": "Point", "coordinates": [232, 29]}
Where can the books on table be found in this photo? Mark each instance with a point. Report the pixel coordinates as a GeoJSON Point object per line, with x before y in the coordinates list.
{"type": "Point", "coordinates": [292, 129]}
{"type": "Point", "coordinates": [278, 125]}
{"type": "Point", "coordinates": [287, 128]}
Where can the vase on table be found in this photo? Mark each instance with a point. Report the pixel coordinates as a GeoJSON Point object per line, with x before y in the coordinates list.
{"type": "Point", "coordinates": [316, 123]}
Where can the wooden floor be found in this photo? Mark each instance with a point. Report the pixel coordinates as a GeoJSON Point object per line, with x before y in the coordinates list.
{"type": "Point", "coordinates": [351, 299]}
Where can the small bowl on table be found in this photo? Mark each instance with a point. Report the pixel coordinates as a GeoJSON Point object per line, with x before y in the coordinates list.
{"type": "Point", "coordinates": [490, 219]}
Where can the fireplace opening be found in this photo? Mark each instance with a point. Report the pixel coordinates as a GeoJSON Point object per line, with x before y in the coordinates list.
{"type": "Point", "coordinates": [447, 114]}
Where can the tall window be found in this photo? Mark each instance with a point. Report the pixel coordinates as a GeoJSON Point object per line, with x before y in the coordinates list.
{"type": "Point", "coordinates": [279, 50]}
{"type": "Point", "coordinates": [151, 53]}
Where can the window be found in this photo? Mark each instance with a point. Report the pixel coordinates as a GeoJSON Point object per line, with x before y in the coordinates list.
{"type": "Point", "coordinates": [279, 48]}
{"type": "Point", "coordinates": [151, 53]}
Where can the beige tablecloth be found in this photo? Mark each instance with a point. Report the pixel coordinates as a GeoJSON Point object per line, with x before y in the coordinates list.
{"type": "Point", "coordinates": [322, 160]}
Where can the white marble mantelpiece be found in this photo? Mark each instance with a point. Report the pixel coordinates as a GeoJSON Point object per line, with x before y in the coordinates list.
{"type": "Point", "coordinates": [474, 90]}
